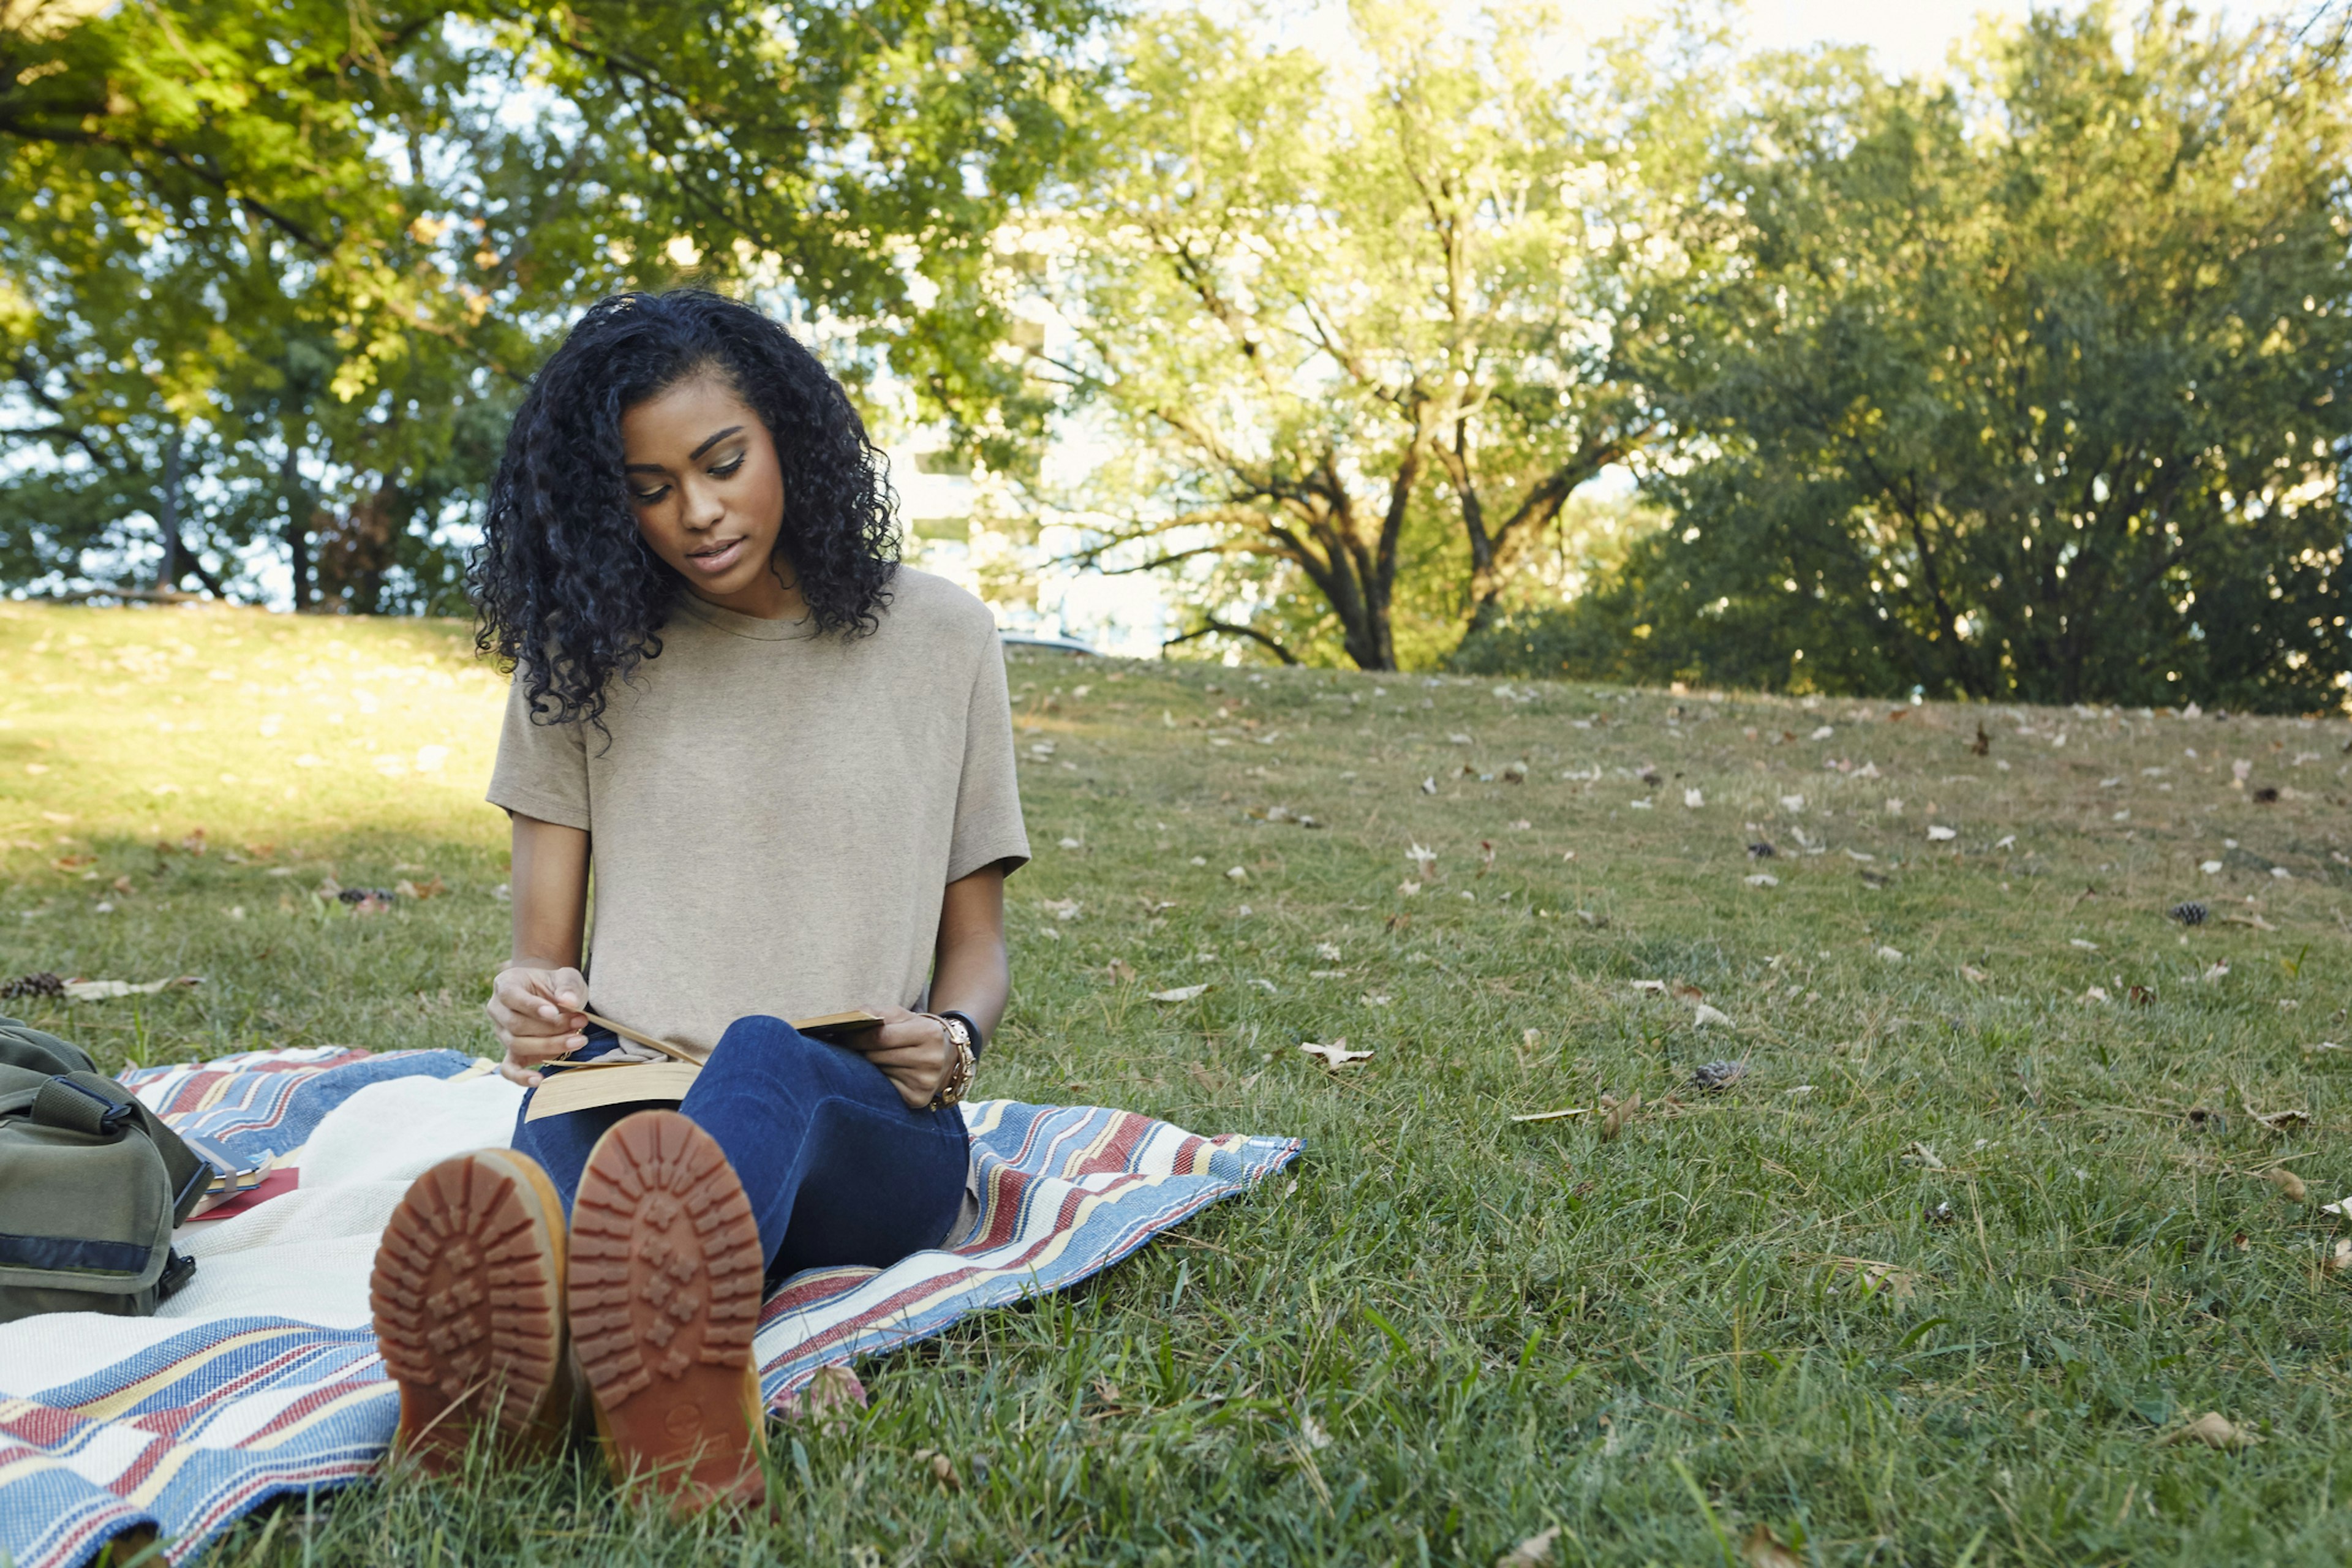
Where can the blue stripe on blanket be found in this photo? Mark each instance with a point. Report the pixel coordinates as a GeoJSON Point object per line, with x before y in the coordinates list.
{"type": "Point", "coordinates": [188, 1436]}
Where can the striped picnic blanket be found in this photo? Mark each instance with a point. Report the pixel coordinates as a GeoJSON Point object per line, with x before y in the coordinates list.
{"type": "Point", "coordinates": [208, 1421]}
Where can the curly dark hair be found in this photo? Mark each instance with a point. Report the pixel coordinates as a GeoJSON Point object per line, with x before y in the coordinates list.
{"type": "Point", "coordinates": [565, 588]}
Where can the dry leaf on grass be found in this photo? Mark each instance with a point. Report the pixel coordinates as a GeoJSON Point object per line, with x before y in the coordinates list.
{"type": "Point", "coordinates": [1335, 1055]}
{"type": "Point", "coordinates": [1707, 1016]}
{"type": "Point", "coordinates": [1923, 1155]}
{"type": "Point", "coordinates": [1535, 1551]}
{"type": "Point", "coordinates": [943, 1469]}
{"type": "Point", "coordinates": [2214, 1430]}
{"type": "Point", "coordinates": [1973, 976]}
{"type": "Point", "coordinates": [1119, 971]}
{"type": "Point", "coordinates": [1562, 1114]}
{"type": "Point", "coordinates": [2277, 1120]}
{"type": "Point", "coordinates": [108, 990]}
{"type": "Point", "coordinates": [1762, 1549]}
{"type": "Point", "coordinates": [2341, 1208]}
{"type": "Point", "coordinates": [2339, 1258]}
{"type": "Point", "coordinates": [1901, 1284]}
{"type": "Point", "coordinates": [1619, 1113]}
{"type": "Point", "coordinates": [1178, 993]}
{"type": "Point", "coordinates": [408, 890]}
{"type": "Point", "coordinates": [1657, 986]}
{"type": "Point", "coordinates": [2290, 1185]}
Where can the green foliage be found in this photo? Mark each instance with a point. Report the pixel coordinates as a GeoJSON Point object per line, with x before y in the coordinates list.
{"type": "Point", "coordinates": [315, 245]}
{"type": "Point", "coordinates": [1360, 335]}
{"type": "Point", "coordinates": [2031, 384]}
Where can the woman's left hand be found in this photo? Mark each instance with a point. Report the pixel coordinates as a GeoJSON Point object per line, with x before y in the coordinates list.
{"type": "Point", "coordinates": [912, 1050]}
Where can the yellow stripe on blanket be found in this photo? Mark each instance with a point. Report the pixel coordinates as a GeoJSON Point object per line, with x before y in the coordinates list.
{"type": "Point", "coordinates": [115, 1404]}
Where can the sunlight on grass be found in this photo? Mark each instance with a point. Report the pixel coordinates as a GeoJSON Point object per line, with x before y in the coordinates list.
{"type": "Point", "coordinates": [1984, 1223]}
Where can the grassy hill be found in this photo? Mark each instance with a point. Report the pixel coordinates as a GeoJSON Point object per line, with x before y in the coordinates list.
{"type": "Point", "coordinates": [1988, 1216]}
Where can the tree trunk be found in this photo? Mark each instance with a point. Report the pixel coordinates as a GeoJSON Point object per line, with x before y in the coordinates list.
{"type": "Point", "coordinates": [175, 553]}
{"type": "Point", "coordinates": [298, 525]}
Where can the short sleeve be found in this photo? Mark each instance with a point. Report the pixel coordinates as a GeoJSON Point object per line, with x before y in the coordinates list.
{"type": "Point", "coordinates": [543, 769]}
{"type": "Point", "coordinates": [988, 829]}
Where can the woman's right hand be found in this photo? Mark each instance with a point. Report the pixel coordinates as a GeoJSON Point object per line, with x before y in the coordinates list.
{"type": "Point", "coordinates": [535, 1013]}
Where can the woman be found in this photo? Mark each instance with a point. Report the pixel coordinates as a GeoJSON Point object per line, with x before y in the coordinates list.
{"type": "Point", "coordinates": [787, 762]}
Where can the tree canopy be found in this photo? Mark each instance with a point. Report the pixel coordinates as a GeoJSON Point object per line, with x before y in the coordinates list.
{"type": "Point", "coordinates": [2032, 383]}
{"type": "Point", "coordinates": [273, 272]}
{"type": "Point", "coordinates": [1359, 332]}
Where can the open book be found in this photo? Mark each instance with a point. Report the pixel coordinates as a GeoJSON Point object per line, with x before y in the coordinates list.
{"type": "Point", "coordinates": [567, 1086]}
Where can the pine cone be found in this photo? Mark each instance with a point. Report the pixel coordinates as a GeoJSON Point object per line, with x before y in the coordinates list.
{"type": "Point", "coordinates": [41, 984]}
{"type": "Point", "coordinates": [2191, 913]}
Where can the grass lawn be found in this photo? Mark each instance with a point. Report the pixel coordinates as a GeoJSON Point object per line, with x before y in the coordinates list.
{"type": "Point", "coordinates": [1944, 1277]}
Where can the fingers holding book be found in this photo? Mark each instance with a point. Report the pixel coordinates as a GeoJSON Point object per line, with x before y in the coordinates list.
{"type": "Point", "coordinates": [537, 1013]}
{"type": "Point", "coordinates": [912, 1049]}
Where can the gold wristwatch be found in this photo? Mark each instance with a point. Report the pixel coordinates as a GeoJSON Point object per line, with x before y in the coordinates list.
{"type": "Point", "coordinates": [959, 1080]}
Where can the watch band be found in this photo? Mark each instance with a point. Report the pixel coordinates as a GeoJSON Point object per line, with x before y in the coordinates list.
{"type": "Point", "coordinates": [971, 1027]}
{"type": "Point", "coordinates": [959, 1076]}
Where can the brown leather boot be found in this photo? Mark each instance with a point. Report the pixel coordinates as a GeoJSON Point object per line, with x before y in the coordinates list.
{"type": "Point", "coordinates": [665, 1289]}
{"type": "Point", "coordinates": [468, 1295]}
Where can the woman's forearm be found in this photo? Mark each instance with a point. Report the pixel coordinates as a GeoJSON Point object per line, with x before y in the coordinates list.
{"type": "Point", "coordinates": [549, 885]}
{"type": "Point", "coordinates": [970, 973]}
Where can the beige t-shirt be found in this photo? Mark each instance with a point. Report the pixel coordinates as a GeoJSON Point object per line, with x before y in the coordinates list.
{"type": "Point", "coordinates": [776, 819]}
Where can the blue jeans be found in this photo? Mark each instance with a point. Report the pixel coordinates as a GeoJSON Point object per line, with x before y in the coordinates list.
{"type": "Point", "coordinates": [838, 1169]}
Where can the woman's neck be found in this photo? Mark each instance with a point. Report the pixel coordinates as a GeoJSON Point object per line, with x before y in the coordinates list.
{"type": "Point", "coordinates": [773, 596]}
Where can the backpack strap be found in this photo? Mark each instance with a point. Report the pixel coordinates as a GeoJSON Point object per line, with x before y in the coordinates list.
{"type": "Point", "coordinates": [88, 1104]}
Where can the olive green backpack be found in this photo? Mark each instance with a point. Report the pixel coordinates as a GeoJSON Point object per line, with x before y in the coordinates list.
{"type": "Point", "coordinates": [91, 1184]}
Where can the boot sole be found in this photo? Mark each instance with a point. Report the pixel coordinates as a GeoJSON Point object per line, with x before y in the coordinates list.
{"type": "Point", "coordinates": [468, 1297]}
{"type": "Point", "coordinates": [666, 1287]}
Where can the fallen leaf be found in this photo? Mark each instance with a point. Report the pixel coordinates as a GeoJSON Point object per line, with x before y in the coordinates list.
{"type": "Point", "coordinates": [2214, 1430]}
{"type": "Point", "coordinates": [1237, 874]}
{"type": "Point", "coordinates": [1763, 879]}
{"type": "Point", "coordinates": [943, 1469]}
{"type": "Point", "coordinates": [107, 990]}
{"type": "Point", "coordinates": [432, 890]}
{"type": "Point", "coordinates": [1535, 1551]}
{"type": "Point", "coordinates": [1891, 955]}
{"type": "Point", "coordinates": [2290, 1185]}
{"type": "Point", "coordinates": [1658, 986]}
{"type": "Point", "coordinates": [1942, 834]}
{"type": "Point", "coordinates": [1121, 971]}
{"type": "Point", "coordinates": [2254, 921]}
{"type": "Point", "coordinates": [1336, 1054]}
{"type": "Point", "coordinates": [1971, 974]}
{"type": "Point", "coordinates": [1694, 798]}
{"type": "Point", "coordinates": [1327, 950]}
{"type": "Point", "coordinates": [1762, 1549]}
{"type": "Point", "coordinates": [1923, 1155]}
{"type": "Point", "coordinates": [1900, 1283]}
{"type": "Point", "coordinates": [1408, 888]}
{"type": "Point", "coordinates": [2085, 946]}
{"type": "Point", "coordinates": [2339, 1257]}
{"type": "Point", "coordinates": [1620, 1111]}
{"type": "Point", "coordinates": [2277, 1120]}
{"type": "Point", "coordinates": [1180, 993]}
{"type": "Point", "coordinates": [2216, 971]}
{"type": "Point", "coordinates": [1707, 1016]}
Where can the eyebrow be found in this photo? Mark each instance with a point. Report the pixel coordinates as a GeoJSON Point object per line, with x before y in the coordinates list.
{"type": "Point", "coordinates": [708, 442]}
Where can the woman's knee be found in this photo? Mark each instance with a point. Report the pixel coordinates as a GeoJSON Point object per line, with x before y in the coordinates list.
{"type": "Point", "coordinates": [773, 1049]}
